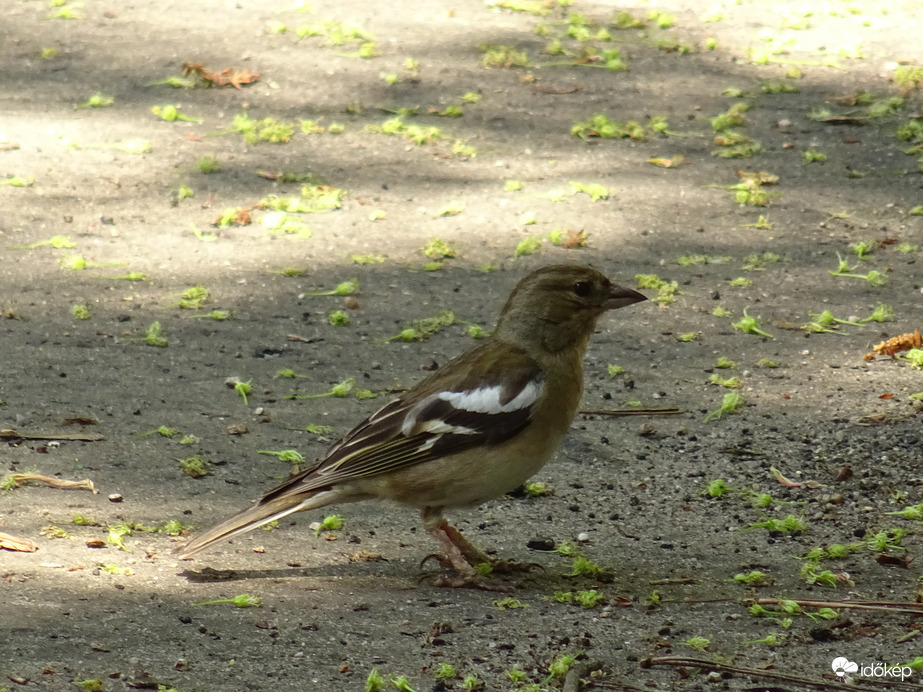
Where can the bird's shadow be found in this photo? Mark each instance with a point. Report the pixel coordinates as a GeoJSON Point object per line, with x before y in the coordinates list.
{"type": "Point", "coordinates": [209, 575]}
{"type": "Point", "coordinates": [398, 573]}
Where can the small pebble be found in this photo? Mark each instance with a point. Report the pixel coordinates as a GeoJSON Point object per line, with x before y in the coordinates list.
{"type": "Point", "coordinates": [646, 430]}
{"type": "Point", "coordinates": [540, 544]}
{"type": "Point", "coordinates": [583, 537]}
{"type": "Point", "coordinates": [115, 497]}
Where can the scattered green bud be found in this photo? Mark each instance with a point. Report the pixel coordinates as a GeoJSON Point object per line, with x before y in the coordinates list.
{"type": "Point", "coordinates": [789, 525]}
{"type": "Point", "coordinates": [331, 522]}
{"type": "Point", "coordinates": [730, 403]}
{"type": "Point", "coordinates": [754, 578]}
{"type": "Point", "coordinates": [749, 325]}
{"type": "Point", "coordinates": [338, 318]}
{"type": "Point", "coordinates": [374, 682]}
{"type": "Point", "coordinates": [290, 455]}
{"type": "Point", "coordinates": [194, 466]}
{"type": "Point", "coordinates": [559, 667]}
{"type": "Point", "coordinates": [697, 643]}
{"type": "Point", "coordinates": [241, 601]}
{"type": "Point", "coordinates": [510, 603]}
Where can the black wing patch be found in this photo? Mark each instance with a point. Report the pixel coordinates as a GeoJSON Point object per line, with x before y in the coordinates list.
{"type": "Point", "coordinates": [397, 435]}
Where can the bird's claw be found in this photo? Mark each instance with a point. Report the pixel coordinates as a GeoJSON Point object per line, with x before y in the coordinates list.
{"type": "Point", "coordinates": [443, 561]}
{"type": "Point", "coordinates": [476, 582]}
{"type": "Point", "coordinates": [471, 579]}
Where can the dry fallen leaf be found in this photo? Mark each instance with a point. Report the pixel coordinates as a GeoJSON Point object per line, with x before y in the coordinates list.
{"type": "Point", "coordinates": [904, 342]}
{"type": "Point", "coordinates": [845, 474]}
{"type": "Point", "coordinates": [365, 556]}
{"type": "Point", "coordinates": [305, 339]}
{"type": "Point", "coordinates": [227, 77]}
{"type": "Point", "coordinates": [672, 162]}
{"type": "Point", "coordinates": [22, 545]}
{"type": "Point", "coordinates": [760, 176]}
{"type": "Point", "coordinates": [777, 474]}
{"type": "Point", "coordinates": [238, 77]}
{"type": "Point", "coordinates": [575, 239]}
{"type": "Point", "coordinates": [241, 218]}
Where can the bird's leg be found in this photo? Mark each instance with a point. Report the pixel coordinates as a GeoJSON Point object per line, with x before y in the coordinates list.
{"type": "Point", "coordinates": [465, 558]}
{"type": "Point", "coordinates": [460, 555]}
{"type": "Point", "coordinates": [453, 555]}
{"type": "Point", "coordinates": [476, 557]}
{"type": "Point", "coordinates": [458, 552]}
{"type": "Point", "coordinates": [473, 555]}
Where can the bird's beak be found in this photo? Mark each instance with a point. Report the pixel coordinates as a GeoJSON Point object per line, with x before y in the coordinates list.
{"type": "Point", "coordinates": [622, 297]}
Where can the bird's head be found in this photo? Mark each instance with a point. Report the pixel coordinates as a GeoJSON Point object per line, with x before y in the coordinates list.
{"type": "Point", "coordinates": [557, 307]}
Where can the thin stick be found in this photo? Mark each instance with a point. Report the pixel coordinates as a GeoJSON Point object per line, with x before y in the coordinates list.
{"type": "Point", "coordinates": [772, 675]}
{"type": "Point", "coordinates": [632, 412]}
{"type": "Point", "coordinates": [85, 484]}
{"type": "Point", "coordinates": [886, 606]}
{"type": "Point", "coordinates": [8, 434]}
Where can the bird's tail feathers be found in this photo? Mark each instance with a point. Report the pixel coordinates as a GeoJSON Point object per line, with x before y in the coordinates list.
{"type": "Point", "coordinates": [253, 517]}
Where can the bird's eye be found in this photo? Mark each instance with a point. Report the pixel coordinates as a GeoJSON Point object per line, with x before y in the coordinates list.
{"type": "Point", "coordinates": [582, 289]}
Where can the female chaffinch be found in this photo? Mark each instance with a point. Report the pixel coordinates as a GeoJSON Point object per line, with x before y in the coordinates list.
{"type": "Point", "coordinates": [476, 428]}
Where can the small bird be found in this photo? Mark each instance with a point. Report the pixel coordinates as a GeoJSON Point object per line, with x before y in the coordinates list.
{"type": "Point", "coordinates": [474, 429]}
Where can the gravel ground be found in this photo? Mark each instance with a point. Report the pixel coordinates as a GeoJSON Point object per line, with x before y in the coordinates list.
{"type": "Point", "coordinates": [822, 450]}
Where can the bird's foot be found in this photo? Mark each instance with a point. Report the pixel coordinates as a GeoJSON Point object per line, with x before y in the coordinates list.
{"type": "Point", "coordinates": [443, 561]}
{"type": "Point", "coordinates": [467, 576]}
{"type": "Point", "coordinates": [472, 567]}
{"type": "Point", "coordinates": [470, 581]}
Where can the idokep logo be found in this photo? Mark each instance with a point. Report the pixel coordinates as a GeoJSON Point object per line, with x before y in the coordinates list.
{"type": "Point", "coordinates": [844, 668]}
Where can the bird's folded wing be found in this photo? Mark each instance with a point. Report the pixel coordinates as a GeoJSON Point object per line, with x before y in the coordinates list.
{"type": "Point", "coordinates": [412, 430]}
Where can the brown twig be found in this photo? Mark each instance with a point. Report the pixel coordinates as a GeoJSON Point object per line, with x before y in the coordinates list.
{"type": "Point", "coordinates": [55, 482]}
{"type": "Point", "coordinates": [631, 412]}
{"type": "Point", "coordinates": [9, 434]}
{"type": "Point", "coordinates": [884, 606]}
